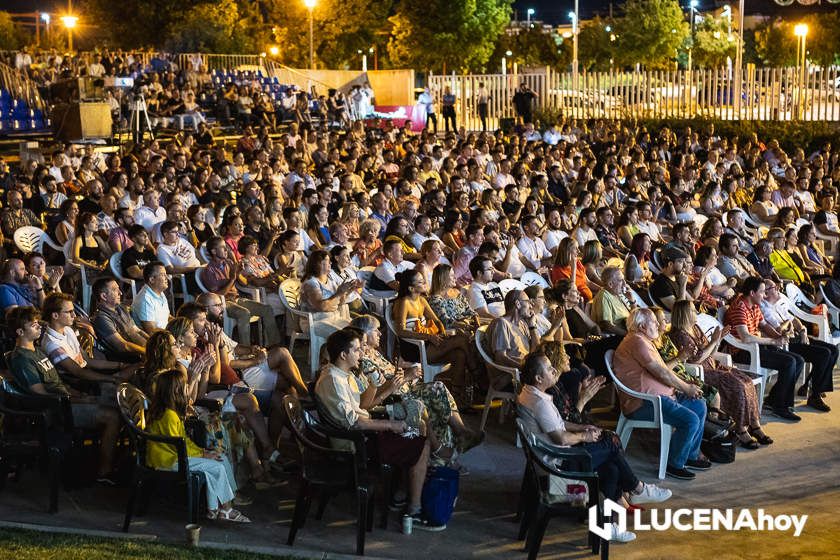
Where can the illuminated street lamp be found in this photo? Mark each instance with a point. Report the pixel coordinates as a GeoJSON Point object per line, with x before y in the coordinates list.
{"type": "Point", "coordinates": [574, 17]}
{"type": "Point", "coordinates": [310, 5]}
{"type": "Point", "coordinates": [69, 22]}
{"type": "Point", "coordinates": [801, 32]}
{"type": "Point", "coordinates": [273, 50]}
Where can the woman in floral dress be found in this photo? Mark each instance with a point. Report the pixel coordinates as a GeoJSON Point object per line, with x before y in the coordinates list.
{"type": "Point", "coordinates": [737, 392]}
{"type": "Point", "coordinates": [448, 435]}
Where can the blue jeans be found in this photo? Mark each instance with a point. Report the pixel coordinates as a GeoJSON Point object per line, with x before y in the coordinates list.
{"type": "Point", "coordinates": [687, 416]}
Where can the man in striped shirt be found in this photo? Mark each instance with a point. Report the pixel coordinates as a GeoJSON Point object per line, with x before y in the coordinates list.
{"type": "Point", "coordinates": [748, 324]}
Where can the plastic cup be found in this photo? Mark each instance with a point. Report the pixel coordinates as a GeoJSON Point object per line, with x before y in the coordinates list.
{"type": "Point", "coordinates": [192, 531]}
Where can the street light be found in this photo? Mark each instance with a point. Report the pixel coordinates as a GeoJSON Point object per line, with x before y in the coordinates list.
{"type": "Point", "coordinates": [508, 54]}
{"type": "Point", "coordinates": [273, 50]}
{"type": "Point", "coordinates": [574, 17]}
{"type": "Point", "coordinates": [528, 15]}
{"type": "Point", "coordinates": [310, 5]}
{"type": "Point", "coordinates": [69, 22]}
{"type": "Point", "coordinates": [801, 32]}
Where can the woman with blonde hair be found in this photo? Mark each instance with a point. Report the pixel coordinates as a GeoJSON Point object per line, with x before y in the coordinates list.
{"type": "Point", "coordinates": [368, 249]}
{"type": "Point", "coordinates": [448, 302]}
{"type": "Point", "coordinates": [738, 398]}
{"type": "Point", "coordinates": [430, 253]}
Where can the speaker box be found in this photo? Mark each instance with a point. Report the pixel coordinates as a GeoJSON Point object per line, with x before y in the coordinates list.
{"type": "Point", "coordinates": [75, 121]}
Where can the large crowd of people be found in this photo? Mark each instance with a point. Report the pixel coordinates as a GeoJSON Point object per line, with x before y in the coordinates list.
{"type": "Point", "coordinates": [627, 235]}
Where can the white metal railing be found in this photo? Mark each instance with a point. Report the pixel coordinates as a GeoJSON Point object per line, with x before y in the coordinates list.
{"type": "Point", "coordinates": [767, 94]}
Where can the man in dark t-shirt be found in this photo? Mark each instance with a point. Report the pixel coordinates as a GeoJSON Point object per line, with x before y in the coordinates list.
{"type": "Point", "coordinates": [135, 258]}
{"type": "Point", "coordinates": [34, 373]}
{"type": "Point", "coordinates": [669, 286]}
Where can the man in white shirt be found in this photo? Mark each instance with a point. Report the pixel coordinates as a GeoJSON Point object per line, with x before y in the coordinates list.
{"type": "Point", "coordinates": [96, 69]}
{"type": "Point", "coordinates": [503, 178]}
{"type": "Point", "coordinates": [384, 277]}
{"type": "Point", "coordinates": [542, 418]}
{"type": "Point", "coordinates": [338, 392]}
{"type": "Point", "coordinates": [422, 231]}
{"type": "Point", "coordinates": [176, 254]}
{"type": "Point", "coordinates": [151, 212]}
{"type": "Point", "coordinates": [484, 295]}
{"type": "Point", "coordinates": [534, 254]}
{"type": "Point", "coordinates": [150, 308]}
{"type": "Point", "coordinates": [62, 347]}
{"type": "Point", "coordinates": [552, 135]}
{"type": "Point", "coordinates": [585, 231]}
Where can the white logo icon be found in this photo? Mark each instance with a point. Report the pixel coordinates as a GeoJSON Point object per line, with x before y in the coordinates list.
{"type": "Point", "coordinates": [610, 508]}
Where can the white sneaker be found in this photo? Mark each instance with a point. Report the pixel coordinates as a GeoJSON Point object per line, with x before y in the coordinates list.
{"type": "Point", "coordinates": [621, 536]}
{"type": "Point", "coordinates": [650, 494]}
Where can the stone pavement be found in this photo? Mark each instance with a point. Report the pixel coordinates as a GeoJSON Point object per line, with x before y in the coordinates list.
{"type": "Point", "coordinates": [797, 475]}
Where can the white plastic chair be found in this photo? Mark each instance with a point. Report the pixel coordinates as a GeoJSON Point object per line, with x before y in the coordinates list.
{"type": "Point", "coordinates": [429, 370]}
{"type": "Point", "coordinates": [833, 310]}
{"type": "Point", "coordinates": [507, 397]}
{"type": "Point", "coordinates": [626, 425]}
{"type": "Point", "coordinates": [761, 375]}
{"type": "Point", "coordinates": [823, 326]}
{"type": "Point", "coordinates": [70, 265]}
{"type": "Point", "coordinates": [290, 296]}
{"type": "Point", "coordinates": [289, 292]}
{"type": "Point", "coordinates": [531, 278]}
{"type": "Point", "coordinates": [115, 263]}
{"type": "Point", "coordinates": [509, 284]}
{"type": "Point", "coordinates": [30, 239]}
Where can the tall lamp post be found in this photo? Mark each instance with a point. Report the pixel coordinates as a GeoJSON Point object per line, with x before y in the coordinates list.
{"type": "Point", "coordinates": [530, 12]}
{"type": "Point", "coordinates": [801, 32]}
{"type": "Point", "coordinates": [310, 5]}
{"type": "Point", "coordinates": [692, 7]}
{"type": "Point", "coordinates": [69, 22]}
{"type": "Point", "coordinates": [574, 17]}
{"type": "Point", "coordinates": [739, 59]}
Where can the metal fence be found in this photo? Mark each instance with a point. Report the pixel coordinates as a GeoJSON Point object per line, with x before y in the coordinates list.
{"type": "Point", "coordinates": [20, 87]}
{"type": "Point", "coordinates": [766, 94]}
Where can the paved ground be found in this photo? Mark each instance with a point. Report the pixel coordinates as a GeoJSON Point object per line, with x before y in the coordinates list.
{"type": "Point", "coordinates": [796, 475]}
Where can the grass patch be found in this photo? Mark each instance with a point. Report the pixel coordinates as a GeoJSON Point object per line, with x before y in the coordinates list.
{"type": "Point", "coordinates": [32, 545]}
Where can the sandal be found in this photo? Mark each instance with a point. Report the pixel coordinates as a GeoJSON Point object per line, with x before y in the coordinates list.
{"type": "Point", "coordinates": [233, 515]}
{"type": "Point", "coordinates": [761, 437]}
{"type": "Point", "coordinates": [746, 441]}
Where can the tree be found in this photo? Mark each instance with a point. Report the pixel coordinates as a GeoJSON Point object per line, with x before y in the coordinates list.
{"type": "Point", "coordinates": [216, 27]}
{"type": "Point", "coordinates": [531, 48]}
{"type": "Point", "coordinates": [446, 34]}
{"type": "Point", "coordinates": [650, 33]}
{"type": "Point", "coordinates": [596, 45]}
{"type": "Point", "coordinates": [823, 41]}
{"type": "Point", "coordinates": [713, 44]}
{"type": "Point", "coordinates": [775, 43]}
{"type": "Point", "coordinates": [342, 28]}
{"type": "Point", "coordinates": [10, 36]}
{"type": "Point", "coordinates": [137, 23]}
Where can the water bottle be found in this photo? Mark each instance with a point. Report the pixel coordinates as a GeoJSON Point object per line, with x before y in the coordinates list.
{"type": "Point", "coordinates": [407, 524]}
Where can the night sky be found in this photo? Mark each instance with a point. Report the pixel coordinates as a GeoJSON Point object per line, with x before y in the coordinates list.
{"type": "Point", "coordinates": [551, 11]}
